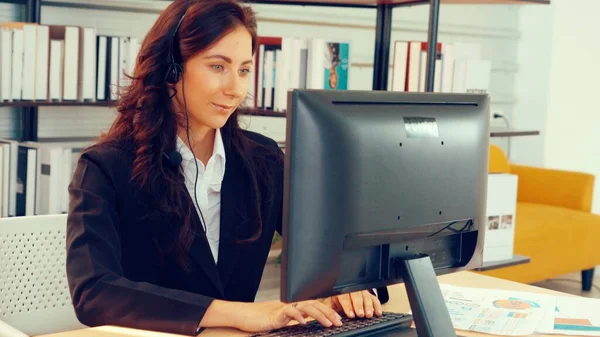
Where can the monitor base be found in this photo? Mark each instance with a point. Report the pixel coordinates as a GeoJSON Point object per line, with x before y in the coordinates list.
{"type": "Point", "coordinates": [427, 303]}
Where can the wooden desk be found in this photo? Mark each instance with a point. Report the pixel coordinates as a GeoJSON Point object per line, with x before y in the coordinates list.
{"type": "Point", "coordinates": [398, 303]}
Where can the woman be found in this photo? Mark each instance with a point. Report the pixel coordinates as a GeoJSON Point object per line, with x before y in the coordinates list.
{"type": "Point", "coordinates": [173, 211]}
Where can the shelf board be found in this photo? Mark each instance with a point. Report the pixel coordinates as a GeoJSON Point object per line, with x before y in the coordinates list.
{"type": "Point", "coordinates": [131, 6]}
{"type": "Point", "coordinates": [374, 3]}
{"type": "Point", "coordinates": [144, 6]}
{"type": "Point", "coordinates": [18, 2]}
{"type": "Point", "coordinates": [516, 260]}
{"type": "Point", "coordinates": [260, 112]}
{"type": "Point", "coordinates": [158, 5]}
{"type": "Point", "coordinates": [495, 2]}
{"type": "Point", "coordinates": [504, 132]}
{"type": "Point", "coordinates": [494, 131]}
{"type": "Point", "coordinates": [33, 104]}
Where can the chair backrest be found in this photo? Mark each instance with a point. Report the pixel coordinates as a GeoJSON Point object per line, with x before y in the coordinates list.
{"type": "Point", "coordinates": [34, 295]}
{"type": "Point", "coordinates": [498, 161]}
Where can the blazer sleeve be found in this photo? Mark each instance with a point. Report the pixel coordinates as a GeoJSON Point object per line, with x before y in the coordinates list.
{"type": "Point", "coordinates": [100, 293]}
{"type": "Point", "coordinates": [278, 173]}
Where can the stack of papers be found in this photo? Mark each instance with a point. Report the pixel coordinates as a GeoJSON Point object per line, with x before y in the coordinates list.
{"type": "Point", "coordinates": [513, 313]}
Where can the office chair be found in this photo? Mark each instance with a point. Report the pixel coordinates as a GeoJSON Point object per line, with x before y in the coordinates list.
{"type": "Point", "coordinates": [34, 295]}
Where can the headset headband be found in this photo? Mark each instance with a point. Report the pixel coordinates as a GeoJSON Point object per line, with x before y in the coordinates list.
{"type": "Point", "coordinates": [171, 53]}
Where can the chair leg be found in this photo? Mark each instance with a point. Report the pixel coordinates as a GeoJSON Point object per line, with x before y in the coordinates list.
{"type": "Point", "coordinates": [587, 276]}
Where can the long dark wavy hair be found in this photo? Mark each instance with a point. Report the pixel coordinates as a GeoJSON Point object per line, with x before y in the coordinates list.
{"type": "Point", "coordinates": [146, 118]}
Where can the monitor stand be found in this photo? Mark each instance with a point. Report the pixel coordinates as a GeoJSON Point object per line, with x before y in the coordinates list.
{"type": "Point", "coordinates": [427, 304]}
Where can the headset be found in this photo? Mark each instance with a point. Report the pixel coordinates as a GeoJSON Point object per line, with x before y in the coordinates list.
{"type": "Point", "coordinates": [174, 73]}
{"type": "Point", "coordinates": [174, 69]}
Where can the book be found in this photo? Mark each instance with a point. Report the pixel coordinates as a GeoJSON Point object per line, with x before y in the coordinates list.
{"type": "Point", "coordinates": [337, 55]}
{"type": "Point", "coordinates": [6, 41]}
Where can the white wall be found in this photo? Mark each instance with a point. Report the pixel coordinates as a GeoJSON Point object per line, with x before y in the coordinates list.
{"type": "Point", "coordinates": [572, 138]}
{"type": "Point", "coordinates": [556, 88]}
{"type": "Point", "coordinates": [534, 59]}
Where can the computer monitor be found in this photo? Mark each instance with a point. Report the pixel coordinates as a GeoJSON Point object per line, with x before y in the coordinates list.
{"type": "Point", "coordinates": [381, 188]}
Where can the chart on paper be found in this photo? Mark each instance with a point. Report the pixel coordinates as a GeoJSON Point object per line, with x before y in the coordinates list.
{"type": "Point", "coordinates": [499, 312]}
{"type": "Point", "coordinates": [576, 316]}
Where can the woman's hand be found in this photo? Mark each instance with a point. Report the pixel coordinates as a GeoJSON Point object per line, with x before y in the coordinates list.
{"type": "Point", "coordinates": [357, 304]}
{"type": "Point", "coordinates": [264, 316]}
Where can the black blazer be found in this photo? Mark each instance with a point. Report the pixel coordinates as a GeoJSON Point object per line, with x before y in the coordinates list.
{"type": "Point", "coordinates": [114, 272]}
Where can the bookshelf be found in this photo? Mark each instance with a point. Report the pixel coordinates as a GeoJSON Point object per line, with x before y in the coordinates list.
{"type": "Point", "coordinates": [383, 28]}
{"type": "Point", "coordinates": [381, 62]}
{"type": "Point", "coordinates": [494, 131]}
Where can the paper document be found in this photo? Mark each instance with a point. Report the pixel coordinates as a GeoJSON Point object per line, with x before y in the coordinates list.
{"type": "Point", "coordinates": [499, 312]}
{"type": "Point", "coordinates": [577, 316]}
{"type": "Point", "coordinates": [514, 313]}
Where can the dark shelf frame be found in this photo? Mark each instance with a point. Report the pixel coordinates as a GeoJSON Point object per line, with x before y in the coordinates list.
{"type": "Point", "coordinates": [29, 117]}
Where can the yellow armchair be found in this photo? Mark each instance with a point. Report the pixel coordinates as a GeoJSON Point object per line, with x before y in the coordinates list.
{"type": "Point", "coordinates": [571, 190]}
{"type": "Point", "coordinates": [554, 224]}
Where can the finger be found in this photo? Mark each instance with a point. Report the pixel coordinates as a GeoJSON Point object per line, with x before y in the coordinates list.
{"type": "Point", "coordinates": [294, 313]}
{"type": "Point", "coordinates": [331, 314]}
{"type": "Point", "coordinates": [335, 304]}
{"type": "Point", "coordinates": [368, 304]}
{"type": "Point", "coordinates": [315, 313]}
{"type": "Point", "coordinates": [281, 319]}
{"type": "Point", "coordinates": [346, 304]}
{"type": "Point", "coordinates": [357, 304]}
{"type": "Point", "coordinates": [377, 305]}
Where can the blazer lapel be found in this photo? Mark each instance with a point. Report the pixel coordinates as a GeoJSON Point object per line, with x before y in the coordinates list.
{"type": "Point", "coordinates": [200, 252]}
{"type": "Point", "coordinates": [233, 198]}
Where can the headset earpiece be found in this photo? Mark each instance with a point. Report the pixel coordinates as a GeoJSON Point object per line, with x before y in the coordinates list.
{"type": "Point", "coordinates": [173, 73]}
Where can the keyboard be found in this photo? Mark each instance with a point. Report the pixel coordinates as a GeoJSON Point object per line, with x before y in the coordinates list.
{"type": "Point", "coordinates": [350, 327]}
